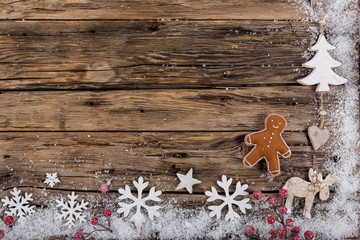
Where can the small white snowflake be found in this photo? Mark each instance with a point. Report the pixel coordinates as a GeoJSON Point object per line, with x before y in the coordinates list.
{"type": "Point", "coordinates": [18, 205]}
{"type": "Point", "coordinates": [228, 200]}
{"type": "Point", "coordinates": [51, 179]}
{"type": "Point", "coordinates": [138, 218]}
{"type": "Point", "coordinates": [71, 210]}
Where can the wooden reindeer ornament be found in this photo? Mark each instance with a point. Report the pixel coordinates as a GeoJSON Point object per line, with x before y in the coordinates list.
{"type": "Point", "coordinates": [298, 187]}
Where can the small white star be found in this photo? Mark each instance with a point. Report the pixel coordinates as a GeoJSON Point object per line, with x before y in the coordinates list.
{"type": "Point", "coordinates": [187, 181]}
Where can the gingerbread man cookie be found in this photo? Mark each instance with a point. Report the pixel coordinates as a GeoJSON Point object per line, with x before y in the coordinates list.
{"type": "Point", "coordinates": [268, 143]}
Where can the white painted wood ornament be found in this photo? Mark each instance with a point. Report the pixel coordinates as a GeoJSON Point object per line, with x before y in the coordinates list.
{"type": "Point", "coordinates": [318, 136]}
{"type": "Point", "coordinates": [322, 75]}
{"type": "Point", "coordinates": [229, 200]}
{"type": "Point", "coordinates": [322, 64]}
{"type": "Point", "coordinates": [187, 181]}
{"type": "Point", "coordinates": [298, 187]}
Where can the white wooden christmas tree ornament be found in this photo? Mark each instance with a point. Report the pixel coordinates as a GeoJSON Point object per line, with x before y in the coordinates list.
{"type": "Point", "coordinates": [187, 181]}
{"type": "Point", "coordinates": [322, 64]}
{"type": "Point", "coordinates": [298, 187]}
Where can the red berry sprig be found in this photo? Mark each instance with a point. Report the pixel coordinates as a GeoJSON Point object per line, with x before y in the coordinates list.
{"type": "Point", "coordinates": [95, 221]}
{"type": "Point", "coordinates": [288, 230]}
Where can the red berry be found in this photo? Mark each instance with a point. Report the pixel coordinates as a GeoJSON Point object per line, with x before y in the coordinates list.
{"type": "Point", "coordinates": [2, 234]}
{"type": "Point", "coordinates": [79, 235]}
{"type": "Point", "coordinates": [249, 230]}
{"type": "Point", "coordinates": [282, 233]}
{"type": "Point", "coordinates": [276, 239]}
{"type": "Point", "coordinates": [296, 237]}
{"type": "Point", "coordinates": [283, 210]}
{"type": "Point", "coordinates": [296, 229]}
{"type": "Point", "coordinates": [257, 195]}
{"type": "Point", "coordinates": [9, 220]}
{"type": "Point", "coordinates": [104, 188]}
{"type": "Point", "coordinates": [288, 229]}
{"type": "Point", "coordinates": [94, 221]}
{"type": "Point", "coordinates": [289, 222]}
{"type": "Point", "coordinates": [272, 201]}
{"type": "Point", "coordinates": [308, 235]}
{"type": "Point", "coordinates": [273, 232]}
{"type": "Point", "coordinates": [107, 213]}
{"type": "Point", "coordinates": [283, 193]}
{"type": "Point", "coordinates": [271, 220]}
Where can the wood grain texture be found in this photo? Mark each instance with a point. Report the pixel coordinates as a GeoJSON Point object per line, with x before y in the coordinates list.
{"type": "Point", "coordinates": [86, 160]}
{"type": "Point", "coordinates": [149, 9]}
{"type": "Point", "coordinates": [138, 54]}
{"type": "Point", "coordinates": [234, 109]}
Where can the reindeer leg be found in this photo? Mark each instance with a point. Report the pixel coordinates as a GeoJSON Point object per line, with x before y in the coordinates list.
{"type": "Point", "coordinates": [288, 203]}
{"type": "Point", "coordinates": [309, 199]}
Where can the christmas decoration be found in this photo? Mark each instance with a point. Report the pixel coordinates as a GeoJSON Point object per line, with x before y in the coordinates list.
{"type": "Point", "coordinates": [139, 202]}
{"type": "Point", "coordinates": [268, 143]}
{"type": "Point", "coordinates": [71, 210]}
{"type": "Point", "coordinates": [97, 226]}
{"type": "Point", "coordinates": [51, 179]}
{"type": "Point", "coordinates": [318, 137]}
{"type": "Point", "coordinates": [323, 75]}
{"type": "Point", "coordinates": [104, 188]}
{"type": "Point", "coordinates": [228, 200]}
{"type": "Point", "coordinates": [9, 220]}
{"type": "Point", "coordinates": [298, 187]}
{"type": "Point", "coordinates": [187, 181]}
{"type": "Point", "coordinates": [287, 229]}
{"type": "Point", "coordinates": [18, 205]}
{"type": "Point", "coordinates": [322, 63]}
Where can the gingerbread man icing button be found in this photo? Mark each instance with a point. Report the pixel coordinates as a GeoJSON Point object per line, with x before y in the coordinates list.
{"type": "Point", "coordinates": [268, 143]}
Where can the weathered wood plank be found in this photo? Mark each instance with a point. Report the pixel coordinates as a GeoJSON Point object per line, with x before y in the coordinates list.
{"type": "Point", "coordinates": [127, 54]}
{"type": "Point", "coordinates": [86, 160]}
{"type": "Point", "coordinates": [149, 9]}
{"type": "Point", "coordinates": [78, 76]}
{"type": "Point", "coordinates": [235, 109]}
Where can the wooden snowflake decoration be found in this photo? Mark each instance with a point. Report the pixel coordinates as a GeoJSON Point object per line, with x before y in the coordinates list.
{"type": "Point", "coordinates": [71, 210]}
{"type": "Point", "coordinates": [228, 200]}
{"type": "Point", "coordinates": [18, 205]}
{"type": "Point", "coordinates": [139, 202]}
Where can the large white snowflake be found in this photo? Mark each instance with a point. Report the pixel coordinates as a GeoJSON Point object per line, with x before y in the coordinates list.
{"type": "Point", "coordinates": [71, 210]}
{"type": "Point", "coordinates": [51, 179]}
{"type": "Point", "coordinates": [18, 205]}
{"type": "Point", "coordinates": [228, 200]}
{"type": "Point", "coordinates": [139, 202]}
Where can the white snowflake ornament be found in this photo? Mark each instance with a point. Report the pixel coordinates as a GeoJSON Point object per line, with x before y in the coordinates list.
{"type": "Point", "coordinates": [18, 205]}
{"type": "Point", "coordinates": [139, 202]}
{"type": "Point", "coordinates": [322, 63]}
{"type": "Point", "coordinates": [228, 200]}
{"type": "Point", "coordinates": [51, 179]}
{"type": "Point", "coordinates": [71, 210]}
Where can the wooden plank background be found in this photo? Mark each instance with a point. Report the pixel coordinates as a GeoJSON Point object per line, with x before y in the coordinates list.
{"type": "Point", "coordinates": [98, 90]}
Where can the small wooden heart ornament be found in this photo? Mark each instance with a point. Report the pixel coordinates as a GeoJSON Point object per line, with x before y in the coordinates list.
{"type": "Point", "coordinates": [318, 136]}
